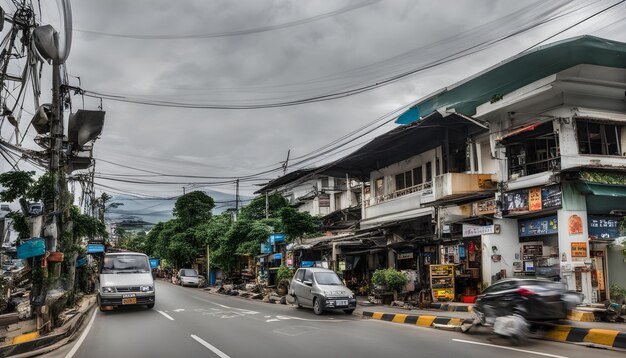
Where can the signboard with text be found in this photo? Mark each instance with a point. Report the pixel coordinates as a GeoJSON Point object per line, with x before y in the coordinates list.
{"type": "Point", "coordinates": [579, 249]}
{"type": "Point", "coordinates": [324, 200]}
{"type": "Point", "coordinates": [603, 227]}
{"type": "Point", "coordinates": [95, 248]}
{"type": "Point", "coordinates": [533, 199]}
{"type": "Point", "coordinates": [537, 227]}
{"type": "Point", "coordinates": [266, 248]}
{"type": "Point", "coordinates": [275, 238]}
{"type": "Point", "coordinates": [471, 230]}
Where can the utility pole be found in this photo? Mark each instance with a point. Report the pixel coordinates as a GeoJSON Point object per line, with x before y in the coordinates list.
{"type": "Point", "coordinates": [237, 197]}
{"type": "Point", "coordinates": [286, 163]}
{"type": "Point", "coordinates": [57, 164]}
{"type": "Point", "coordinates": [267, 205]}
{"type": "Point", "coordinates": [183, 190]}
{"type": "Point", "coordinates": [208, 265]}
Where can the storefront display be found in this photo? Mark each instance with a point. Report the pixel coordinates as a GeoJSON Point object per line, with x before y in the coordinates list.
{"type": "Point", "coordinates": [442, 282]}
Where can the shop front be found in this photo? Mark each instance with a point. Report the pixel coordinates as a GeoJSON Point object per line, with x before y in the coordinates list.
{"type": "Point", "coordinates": [603, 231]}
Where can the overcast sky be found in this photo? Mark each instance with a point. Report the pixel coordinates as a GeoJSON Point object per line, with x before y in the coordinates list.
{"type": "Point", "coordinates": [305, 48]}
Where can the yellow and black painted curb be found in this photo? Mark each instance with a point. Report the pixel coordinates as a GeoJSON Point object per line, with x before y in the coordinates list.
{"type": "Point", "coordinates": [424, 321]}
{"type": "Point", "coordinates": [602, 337]}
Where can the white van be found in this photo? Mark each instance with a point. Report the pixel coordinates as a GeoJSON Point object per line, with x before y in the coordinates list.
{"type": "Point", "coordinates": [125, 279]}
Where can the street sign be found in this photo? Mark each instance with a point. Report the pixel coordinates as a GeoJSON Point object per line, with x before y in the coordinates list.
{"type": "Point", "coordinates": [154, 263]}
{"type": "Point", "coordinates": [266, 248]}
{"type": "Point", "coordinates": [95, 248]}
{"type": "Point", "coordinates": [274, 238]}
{"type": "Point", "coordinates": [278, 256]}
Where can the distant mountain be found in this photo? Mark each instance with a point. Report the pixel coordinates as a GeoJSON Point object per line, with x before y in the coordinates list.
{"type": "Point", "coordinates": [147, 212]}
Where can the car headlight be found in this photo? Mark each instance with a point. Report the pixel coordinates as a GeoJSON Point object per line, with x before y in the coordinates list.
{"type": "Point", "coordinates": [146, 288]}
{"type": "Point", "coordinates": [351, 295]}
{"type": "Point", "coordinates": [108, 289]}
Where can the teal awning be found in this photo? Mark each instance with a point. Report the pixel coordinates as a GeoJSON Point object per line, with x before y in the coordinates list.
{"type": "Point", "coordinates": [585, 187]}
{"type": "Point", "coordinates": [519, 71]}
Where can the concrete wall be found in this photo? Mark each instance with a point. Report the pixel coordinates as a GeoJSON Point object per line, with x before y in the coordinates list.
{"type": "Point", "coordinates": [617, 266]}
{"type": "Point", "coordinates": [508, 246]}
{"type": "Point", "coordinates": [389, 172]}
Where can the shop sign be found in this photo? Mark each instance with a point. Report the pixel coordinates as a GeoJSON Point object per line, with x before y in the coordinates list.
{"type": "Point", "coordinates": [537, 227]}
{"type": "Point", "coordinates": [471, 230]}
{"type": "Point", "coordinates": [278, 256]}
{"type": "Point", "coordinates": [324, 200]}
{"type": "Point", "coordinates": [31, 248]}
{"type": "Point", "coordinates": [154, 263]}
{"type": "Point", "coordinates": [575, 225]}
{"type": "Point", "coordinates": [534, 199]}
{"type": "Point", "coordinates": [601, 227]}
{"type": "Point", "coordinates": [579, 249]}
{"type": "Point", "coordinates": [483, 207]}
{"type": "Point", "coordinates": [307, 264]}
{"type": "Point", "coordinates": [275, 238]}
{"type": "Point", "coordinates": [266, 248]}
{"type": "Point", "coordinates": [95, 248]}
{"type": "Point", "coordinates": [405, 256]}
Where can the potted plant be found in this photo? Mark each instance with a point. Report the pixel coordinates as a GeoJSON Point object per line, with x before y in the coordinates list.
{"type": "Point", "coordinates": [390, 279]}
{"type": "Point", "coordinates": [618, 293]}
{"type": "Point", "coordinates": [283, 276]}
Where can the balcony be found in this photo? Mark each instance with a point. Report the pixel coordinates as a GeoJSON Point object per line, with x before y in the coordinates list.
{"type": "Point", "coordinates": [452, 185]}
{"type": "Point", "coordinates": [399, 205]}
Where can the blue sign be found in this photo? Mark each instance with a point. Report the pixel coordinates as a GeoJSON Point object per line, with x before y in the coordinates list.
{"type": "Point", "coordinates": [154, 263]}
{"type": "Point", "coordinates": [538, 227]}
{"type": "Point", "coordinates": [95, 248]}
{"type": "Point", "coordinates": [307, 264]}
{"type": "Point", "coordinates": [81, 261]}
{"type": "Point", "coordinates": [31, 248]}
{"type": "Point", "coordinates": [603, 227]}
{"type": "Point", "coordinates": [278, 256]}
{"type": "Point", "coordinates": [274, 238]}
{"type": "Point", "coordinates": [266, 248]}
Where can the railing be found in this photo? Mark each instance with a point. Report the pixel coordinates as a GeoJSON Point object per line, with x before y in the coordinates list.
{"type": "Point", "coordinates": [425, 189]}
{"type": "Point", "coordinates": [523, 169]}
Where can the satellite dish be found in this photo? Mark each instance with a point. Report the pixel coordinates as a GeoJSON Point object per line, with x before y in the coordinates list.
{"type": "Point", "coordinates": [41, 119]}
{"type": "Point", "coordinates": [85, 126]}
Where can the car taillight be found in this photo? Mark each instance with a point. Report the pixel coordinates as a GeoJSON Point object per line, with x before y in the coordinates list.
{"type": "Point", "coordinates": [525, 291]}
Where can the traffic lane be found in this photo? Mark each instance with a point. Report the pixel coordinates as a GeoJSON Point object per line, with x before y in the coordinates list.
{"type": "Point", "coordinates": [275, 329]}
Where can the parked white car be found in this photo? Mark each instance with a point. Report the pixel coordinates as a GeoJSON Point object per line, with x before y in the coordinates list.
{"type": "Point", "coordinates": [188, 277]}
{"type": "Point", "coordinates": [125, 279]}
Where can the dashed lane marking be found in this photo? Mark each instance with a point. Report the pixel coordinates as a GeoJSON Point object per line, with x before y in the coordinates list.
{"type": "Point", "coordinates": [211, 347]}
{"type": "Point", "coordinates": [166, 315]}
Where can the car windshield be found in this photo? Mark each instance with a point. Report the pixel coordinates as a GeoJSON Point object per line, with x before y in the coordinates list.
{"type": "Point", "coordinates": [189, 273]}
{"type": "Point", "coordinates": [327, 278]}
{"type": "Point", "coordinates": [125, 264]}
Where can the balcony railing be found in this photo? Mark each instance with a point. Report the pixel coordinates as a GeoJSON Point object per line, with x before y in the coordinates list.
{"type": "Point", "coordinates": [424, 188]}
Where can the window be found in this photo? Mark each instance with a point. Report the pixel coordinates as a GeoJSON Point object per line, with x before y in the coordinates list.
{"type": "Point", "coordinates": [404, 180]}
{"type": "Point", "coordinates": [300, 275]}
{"type": "Point", "coordinates": [429, 171]}
{"type": "Point", "coordinates": [324, 182]}
{"type": "Point", "coordinates": [418, 176]}
{"type": "Point", "coordinates": [308, 276]}
{"type": "Point", "coordinates": [400, 181]}
{"type": "Point", "coordinates": [337, 201]}
{"type": "Point", "coordinates": [328, 278]}
{"type": "Point", "coordinates": [598, 138]}
{"type": "Point", "coordinates": [534, 149]}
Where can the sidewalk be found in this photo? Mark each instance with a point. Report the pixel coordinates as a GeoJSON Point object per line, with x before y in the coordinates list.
{"type": "Point", "coordinates": [602, 334]}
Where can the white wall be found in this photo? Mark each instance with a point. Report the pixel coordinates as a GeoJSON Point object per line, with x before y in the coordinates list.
{"type": "Point", "coordinates": [508, 245]}
{"type": "Point", "coordinates": [389, 172]}
{"type": "Point", "coordinates": [565, 247]}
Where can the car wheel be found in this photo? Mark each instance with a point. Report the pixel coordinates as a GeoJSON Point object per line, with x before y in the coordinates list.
{"type": "Point", "coordinates": [348, 311]}
{"type": "Point", "coordinates": [101, 308]}
{"type": "Point", "coordinates": [150, 305]}
{"type": "Point", "coordinates": [317, 307]}
{"type": "Point", "coordinates": [296, 302]}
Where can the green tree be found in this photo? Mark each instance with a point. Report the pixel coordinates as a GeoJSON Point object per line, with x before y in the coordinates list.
{"type": "Point", "coordinates": [256, 209]}
{"type": "Point", "coordinates": [297, 224]}
{"type": "Point", "coordinates": [193, 209]}
{"type": "Point", "coordinates": [16, 184]}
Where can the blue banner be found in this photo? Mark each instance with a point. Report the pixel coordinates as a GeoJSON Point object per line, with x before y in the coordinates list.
{"type": "Point", "coordinates": [154, 263]}
{"type": "Point", "coordinates": [81, 261]}
{"type": "Point", "coordinates": [95, 248]}
{"type": "Point", "coordinates": [266, 248]}
{"type": "Point", "coordinates": [278, 256]}
{"type": "Point", "coordinates": [537, 227]}
{"type": "Point", "coordinates": [603, 227]}
{"type": "Point", "coordinates": [274, 238]}
{"type": "Point", "coordinates": [307, 264]}
{"type": "Point", "coordinates": [31, 248]}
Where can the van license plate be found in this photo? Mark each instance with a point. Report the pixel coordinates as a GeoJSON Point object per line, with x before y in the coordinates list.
{"type": "Point", "coordinates": [342, 303]}
{"type": "Point", "coordinates": [129, 301]}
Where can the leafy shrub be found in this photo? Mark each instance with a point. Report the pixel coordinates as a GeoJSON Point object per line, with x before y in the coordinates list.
{"type": "Point", "coordinates": [284, 275]}
{"type": "Point", "coordinates": [393, 279]}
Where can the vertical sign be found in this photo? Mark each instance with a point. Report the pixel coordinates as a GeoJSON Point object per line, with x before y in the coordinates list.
{"type": "Point", "coordinates": [534, 199]}
{"type": "Point", "coordinates": [579, 249]}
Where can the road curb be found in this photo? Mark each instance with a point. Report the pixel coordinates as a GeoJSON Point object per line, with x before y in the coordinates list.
{"type": "Point", "coordinates": [451, 307]}
{"type": "Point", "coordinates": [50, 342]}
{"type": "Point", "coordinates": [422, 320]}
{"type": "Point", "coordinates": [600, 337]}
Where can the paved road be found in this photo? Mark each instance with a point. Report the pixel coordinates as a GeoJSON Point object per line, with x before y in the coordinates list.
{"type": "Point", "coordinates": [188, 322]}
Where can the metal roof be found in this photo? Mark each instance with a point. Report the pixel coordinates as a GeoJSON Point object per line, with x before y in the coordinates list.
{"type": "Point", "coordinates": [519, 71]}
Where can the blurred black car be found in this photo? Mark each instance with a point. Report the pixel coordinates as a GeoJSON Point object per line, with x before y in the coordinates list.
{"type": "Point", "coordinates": [533, 299]}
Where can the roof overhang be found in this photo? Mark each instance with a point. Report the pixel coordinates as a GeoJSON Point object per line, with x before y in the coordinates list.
{"type": "Point", "coordinates": [402, 143]}
{"type": "Point", "coordinates": [519, 71]}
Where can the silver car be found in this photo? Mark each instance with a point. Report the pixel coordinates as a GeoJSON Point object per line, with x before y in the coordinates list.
{"type": "Point", "coordinates": [322, 290]}
{"type": "Point", "coordinates": [188, 277]}
{"type": "Point", "coordinates": [125, 279]}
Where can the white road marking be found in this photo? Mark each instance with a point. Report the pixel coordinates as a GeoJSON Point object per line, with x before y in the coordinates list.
{"type": "Point", "coordinates": [166, 315]}
{"type": "Point", "coordinates": [210, 347]}
{"type": "Point", "coordinates": [82, 337]}
{"type": "Point", "coordinates": [179, 310]}
{"type": "Point", "coordinates": [273, 320]}
{"type": "Point", "coordinates": [509, 348]}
